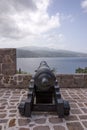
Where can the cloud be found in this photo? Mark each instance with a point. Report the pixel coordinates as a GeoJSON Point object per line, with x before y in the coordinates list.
{"type": "Point", "coordinates": [54, 37]}
{"type": "Point", "coordinates": [22, 18]}
{"type": "Point", "coordinates": [84, 5]}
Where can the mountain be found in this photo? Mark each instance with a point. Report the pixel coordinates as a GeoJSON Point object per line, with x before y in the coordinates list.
{"type": "Point", "coordinates": [27, 52]}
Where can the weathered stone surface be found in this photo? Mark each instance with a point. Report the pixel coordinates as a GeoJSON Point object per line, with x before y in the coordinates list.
{"type": "Point", "coordinates": [12, 115]}
{"type": "Point", "coordinates": [22, 81]}
{"type": "Point", "coordinates": [84, 110]}
{"type": "Point", "coordinates": [12, 122]}
{"type": "Point", "coordinates": [1, 58]}
{"type": "Point", "coordinates": [73, 105]}
{"type": "Point", "coordinates": [24, 128]}
{"type": "Point", "coordinates": [85, 123]}
{"type": "Point", "coordinates": [0, 127]}
{"type": "Point", "coordinates": [72, 81]}
{"type": "Point", "coordinates": [2, 107]}
{"type": "Point", "coordinates": [81, 104]}
{"type": "Point", "coordinates": [8, 61]}
{"type": "Point", "coordinates": [75, 126]}
{"type": "Point", "coordinates": [2, 115]}
{"type": "Point", "coordinates": [71, 118]}
{"type": "Point", "coordinates": [40, 121]}
{"type": "Point", "coordinates": [0, 68]}
{"type": "Point", "coordinates": [58, 127]}
{"type": "Point", "coordinates": [8, 69]}
{"type": "Point", "coordinates": [23, 122]}
{"type": "Point", "coordinates": [55, 120]}
{"type": "Point", "coordinates": [83, 116]}
{"type": "Point", "coordinates": [41, 128]}
{"type": "Point", "coordinates": [3, 120]}
{"type": "Point", "coordinates": [76, 111]}
{"type": "Point", "coordinates": [13, 111]}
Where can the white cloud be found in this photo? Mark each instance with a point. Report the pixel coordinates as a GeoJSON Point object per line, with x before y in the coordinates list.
{"type": "Point", "coordinates": [84, 5]}
{"type": "Point", "coordinates": [21, 18]}
{"type": "Point", "coordinates": [54, 37]}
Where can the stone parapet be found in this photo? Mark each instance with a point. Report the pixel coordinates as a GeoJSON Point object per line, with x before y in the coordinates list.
{"type": "Point", "coordinates": [64, 80]}
{"type": "Point", "coordinates": [14, 81]}
{"type": "Point", "coordinates": [72, 80]}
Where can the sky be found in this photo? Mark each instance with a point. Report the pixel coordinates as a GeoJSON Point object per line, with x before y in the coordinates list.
{"type": "Point", "coordinates": [57, 24]}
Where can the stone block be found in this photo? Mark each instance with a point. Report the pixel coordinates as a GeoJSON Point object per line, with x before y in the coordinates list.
{"type": "Point", "coordinates": [23, 122]}
{"type": "Point", "coordinates": [58, 127]}
{"type": "Point", "coordinates": [74, 126]}
{"type": "Point", "coordinates": [1, 58]}
{"type": "Point", "coordinates": [55, 120]}
{"type": "Point", "coordinates": [8, 61]}
{"type": "Point", "coordinates": [85, 123]}
{"type": "Point", "coordinates": [8, 69]}
{"type": "Point", "coordinates": [41, 128]}
{"type": "Point", "coordinates": [12, 122]}
{"type": "Point", "coordinates": [40, 121]}
{"type": "Point", "coordinates": [0, 68]}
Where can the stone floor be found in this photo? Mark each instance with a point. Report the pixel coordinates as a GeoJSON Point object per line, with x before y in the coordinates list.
{"type": "Point", "coordinates": [10, 118]}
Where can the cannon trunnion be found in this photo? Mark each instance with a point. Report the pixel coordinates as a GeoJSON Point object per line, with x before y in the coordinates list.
{"type": "Point", "coordinates": [44, 94]}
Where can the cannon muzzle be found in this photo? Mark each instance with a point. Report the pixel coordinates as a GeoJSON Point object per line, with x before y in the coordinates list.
{"type": "Point", "coordinates": [44, 77]}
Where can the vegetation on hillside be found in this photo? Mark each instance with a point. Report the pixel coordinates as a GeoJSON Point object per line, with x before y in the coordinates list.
{"type": "Point", "coordinates": [81, 70]}
{"type": "Point", "coordinates": [21, 72]}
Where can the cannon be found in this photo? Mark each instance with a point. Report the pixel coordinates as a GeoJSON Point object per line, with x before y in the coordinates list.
{"type": "Point", "coordinates": [44, 94]}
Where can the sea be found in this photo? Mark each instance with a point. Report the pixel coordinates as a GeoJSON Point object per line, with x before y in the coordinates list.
{"type": "Point", "coordinates": [61, 65]}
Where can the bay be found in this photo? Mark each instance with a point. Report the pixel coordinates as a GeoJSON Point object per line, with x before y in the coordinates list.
{"type": "Point", "coordinates": [61, 65]}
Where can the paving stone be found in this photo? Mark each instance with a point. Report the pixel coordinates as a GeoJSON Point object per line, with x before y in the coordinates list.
{"type": "Point", "coordinates": [40, 121]}
{"type": "Point", "coordinates": [84, 123]}
{"type": "Point", "coordinates": [12, 107]}
{"type": "Point", "coordinates": [2, 115]}
{"type": "Point", "coordinates": [23, 122]}
{"type": "Point", "coordinates": [75, 126]}
{"type": "Point", "coordinates": [85, 104]}
{"type": "Point", "coordinates": [41, 128]}
{"type": "Point", "coordinates": [71, 118]}
{"type": "Point", "coordinates": [4, 111]}
{"type": "Point", "coordinates": [12, 122]}
{"type": "Point", "coordinates": [83, 117]}
{"type": "Point", "coordinates": [4, 104]}
{"type": "Point", "coordinates": [0, 127]}
{"type": "Point", "coordinates": [2, 107]}
{"type": "Point", "coordinates": [31, 125]}
{"type": "Point", "coordinates": [73, 105]}
{"type": "Point", "coordinates": [14, 101]}
{"type": "Point", "coordinates": [81, 104]}
{"type": "Point", "coordinates": [12, 115]}
{"type": "Point", "coordinates": [55, 120]}
{"type": "Point", "coordinates": [84, 110]}
{"type": "Point", "coordinates": [24, 128]}
{"type": "Point", "coordinates": [13, 111]}
{"type": "Point", "coordinates": [58, 127]}
{"type": "Point", "coordinates": [76, 111]}
{"type": "Point", "coordinates": [3, 120]}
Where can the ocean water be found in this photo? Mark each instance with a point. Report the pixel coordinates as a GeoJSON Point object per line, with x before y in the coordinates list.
{"type": "Point", "coordinates": [61, 65]}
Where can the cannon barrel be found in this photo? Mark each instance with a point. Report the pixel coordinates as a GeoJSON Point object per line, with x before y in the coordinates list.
{"type": "Point", "coordinates": [44, 78]}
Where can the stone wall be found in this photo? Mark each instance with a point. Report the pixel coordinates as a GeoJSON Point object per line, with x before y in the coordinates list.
{"type": "Point", "coordinates": [14, 81]}
{"type": "Point", "coordinates": [64, 81]}
{"type": "Point", "coordinates": [72, 80]}
{"type": "Point", "coordinates": [8, 61]}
